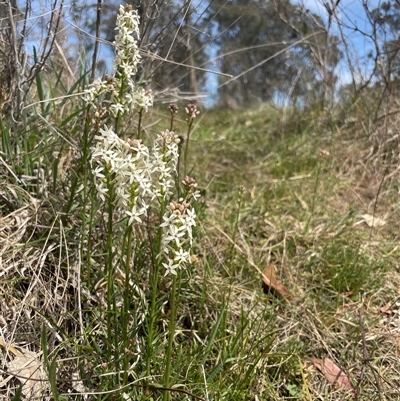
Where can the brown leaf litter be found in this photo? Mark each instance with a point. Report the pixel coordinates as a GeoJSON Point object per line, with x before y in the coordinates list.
{"type": "Point", "coordinates": [273, 286]}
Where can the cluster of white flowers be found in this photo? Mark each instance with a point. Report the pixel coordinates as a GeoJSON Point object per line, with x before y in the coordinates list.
{"type": "Point", "coordinates": [165, 161]}
{"type": "Point", "coordinates": [127, 56]}
{"type": "Point", "coordinates": [128, 166]}
{"type": "Point", "coordinates": [124, 95]}
{"type": "Point", "coordinates": [137, 175]}
{"type": "Point", "coordinates": [140, 178]}
{"type": "Point", "coordinates": [177, 237]}
{"type": "Point", "coordinates": [143, 99]}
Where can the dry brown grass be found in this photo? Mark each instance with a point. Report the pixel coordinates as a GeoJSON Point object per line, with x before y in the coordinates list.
{"type": "Point", "coordinates": [289, 215]}
{"type": "Point", "coordinates": [295, 201]}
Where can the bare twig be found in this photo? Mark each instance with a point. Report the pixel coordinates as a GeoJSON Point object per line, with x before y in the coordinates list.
{"type": "Point", "coordinates": [96, 43]}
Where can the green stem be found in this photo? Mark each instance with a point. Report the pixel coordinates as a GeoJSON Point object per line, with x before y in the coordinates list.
{"type": "Point", "coordinates": [139, 129]}
{"type": "Point", "coordinates": [154, 285]}
{"type": "Point", "coordinates": [187, 147]}
{"type": "Point", "coordinates": [178, 172]}
{"type": "Point", "coordinates": [88, 275]}
{"type": "Point", "coordinates": [127, 297]}
{"type": "Point", "coordinates": [154, 292]}
{"type": "Point", "coordinates": [86, 169]}
{"type": "Point", "coordinates": [171, 335]}
{"type": "Point", "coordinates": [112, 322]}
{"type": "Point", "coordinates": [121, 96]}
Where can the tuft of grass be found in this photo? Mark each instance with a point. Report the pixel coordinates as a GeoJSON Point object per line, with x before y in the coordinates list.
{"type": "Point", "coordinates": [346, 268]}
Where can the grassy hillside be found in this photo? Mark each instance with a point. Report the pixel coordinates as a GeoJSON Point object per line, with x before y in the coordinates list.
{"type": "Point", "coordinates": [151, 253]}
{"type": "Point", "coordinates": [321, 205]}
{"type": "Point", "coordinates": [318, 203]}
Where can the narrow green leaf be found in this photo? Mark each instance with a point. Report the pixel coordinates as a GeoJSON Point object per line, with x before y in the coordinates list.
{"type": "Point", "coordinates": [17, 395]}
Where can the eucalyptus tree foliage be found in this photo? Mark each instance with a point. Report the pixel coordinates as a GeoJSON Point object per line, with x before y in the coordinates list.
{"type": "Point", "coordinates": [274, 49]}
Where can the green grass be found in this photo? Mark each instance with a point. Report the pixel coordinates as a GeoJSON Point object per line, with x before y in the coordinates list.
{"type": "Point", "coordinates": [86, 291]}
{"type": "Point", "coordinates": [301, 211]}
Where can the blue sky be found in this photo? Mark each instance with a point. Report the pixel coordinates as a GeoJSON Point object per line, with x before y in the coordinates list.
{"type": "Point", "coordinates": [353, 14]}
{"type": "Point", "coordinates": [350, 11]}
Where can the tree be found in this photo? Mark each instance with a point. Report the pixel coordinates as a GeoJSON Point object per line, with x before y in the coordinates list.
{"type": "Point", "coordinates": [385, 23]}
{"type": "Point", "coordinates": [171, 42]}
{"type": "Point", "coordinates": [273, 48]}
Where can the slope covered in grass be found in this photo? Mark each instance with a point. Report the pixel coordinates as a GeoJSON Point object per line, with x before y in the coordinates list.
{"type": "Point", "coordinates": [320, 203]}
{"type": "Point", "coordinates": [317, 200]}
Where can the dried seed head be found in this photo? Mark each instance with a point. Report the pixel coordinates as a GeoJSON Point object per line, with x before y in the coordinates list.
{"type": "Point", "coordinates": [173, 108]}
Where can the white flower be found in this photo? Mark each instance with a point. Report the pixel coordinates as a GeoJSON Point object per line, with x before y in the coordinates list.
{"type": "Point", "coordinates": [94, 91]}
{"type": "Point", "coordinates": [181, 257]}
{"type": "Point", "coordinates": [190, 217]}
{"type": "Point", "coordinates": [174, 234]}
{"type": "Point", "coordinates": [177, 236]}
{"type": "Point", "coordinates": [117, 108]}
{"type": "Point", "coordinates": [125, 95]}
{"type": "Point", "coordinates": [144, 99]}
{"type": "Point", "coordinates": [170, 267]}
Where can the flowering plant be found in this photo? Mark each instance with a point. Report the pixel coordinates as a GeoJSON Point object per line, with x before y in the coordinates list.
{"type": "Point", "coordinates": [124, 94]}
{"type": "Point", "coordinates": [141, 183]}
{"type": "Point", "coordinates": [142, 178]}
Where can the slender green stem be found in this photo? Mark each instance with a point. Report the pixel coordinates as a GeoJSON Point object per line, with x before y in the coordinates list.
{"type": "Point", "coordinates": [120, 100]}
{"type": "Point", "coordinates": [127, 298]}
{"type": "Point", "coordinates": [187, 147]}
{"type": "Point", "coordinates": [178, 173]}
{"type": "Point", "coordinates": [171, 335]}
{"type": "Point", "coordinates": [112, 322]}
{"type": "Point", "coordinates": [88, 275]}
{"type": "Point", "coordinates": [86, 171]}
{"type": "Point", "coordinates": [154, 291]}
{"type": "Point", "coordinates": [139, 128]}
{"type": "Point", "coordinates": [150, 337]}
{"type": "Point", "coordinates": [109, 267]}
{"type": "Point", "coordinates": [110, 209]}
